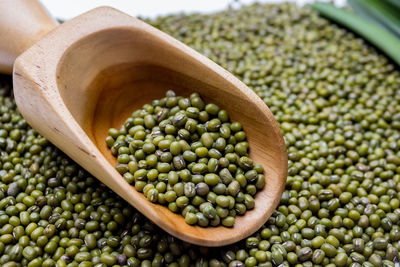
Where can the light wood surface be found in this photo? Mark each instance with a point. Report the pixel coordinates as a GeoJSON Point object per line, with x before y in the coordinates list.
{"type": "Point", "coordinates": [22, 23]}
{"type": "Point", "coordinates": [90, 73]}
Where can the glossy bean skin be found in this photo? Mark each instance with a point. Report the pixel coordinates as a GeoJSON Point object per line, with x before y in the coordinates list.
{"type": "Point", "coordinates": [186, 144]}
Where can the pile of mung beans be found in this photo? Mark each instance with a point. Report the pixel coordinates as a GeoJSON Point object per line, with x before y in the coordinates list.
{"type": "Point", "coordinates": [338, 103]}
{"type": "Point", "coordinates": [187, 155]}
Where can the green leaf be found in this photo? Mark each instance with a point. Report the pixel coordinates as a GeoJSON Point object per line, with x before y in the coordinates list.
{"type": "Point", "coordinates": [394, 3]}
{"type": "Point", "coordinates": [380, 12]}
{"type": "Point", "coordinates": [359, 10]}
{"type": "Point", "coordinates": [375, 34]}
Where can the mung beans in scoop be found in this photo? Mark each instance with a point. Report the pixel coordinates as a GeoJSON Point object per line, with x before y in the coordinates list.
{"type": "Point", "coordinates": [187, 155]}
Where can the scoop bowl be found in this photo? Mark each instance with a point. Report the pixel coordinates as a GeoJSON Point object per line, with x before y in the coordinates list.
{"type": "Point", "coordinates": [93, 71]}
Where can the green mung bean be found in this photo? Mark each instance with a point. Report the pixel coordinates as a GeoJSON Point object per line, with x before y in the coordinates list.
{"type": "Point", "coordinates": [190, 149]}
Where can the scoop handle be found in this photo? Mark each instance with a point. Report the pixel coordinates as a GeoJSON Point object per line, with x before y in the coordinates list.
{"type": "Point", "coordinates": [22, 23]}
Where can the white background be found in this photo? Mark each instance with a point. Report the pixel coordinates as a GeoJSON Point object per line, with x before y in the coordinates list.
{"type": "Point", "coordinates": [66, 9]}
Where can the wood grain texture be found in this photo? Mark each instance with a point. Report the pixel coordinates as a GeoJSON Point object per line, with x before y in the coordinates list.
{"type": "Point", "coordinates": [90, 73]}
{"type": "Point", "coordinates": [22, 23]}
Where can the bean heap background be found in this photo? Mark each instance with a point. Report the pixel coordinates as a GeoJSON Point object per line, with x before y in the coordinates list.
{"type": "Point", "coordinates": [338, 103]}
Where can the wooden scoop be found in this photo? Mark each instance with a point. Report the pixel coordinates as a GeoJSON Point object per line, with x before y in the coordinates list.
{"type": "Point", "coordinates": [77, 80]}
